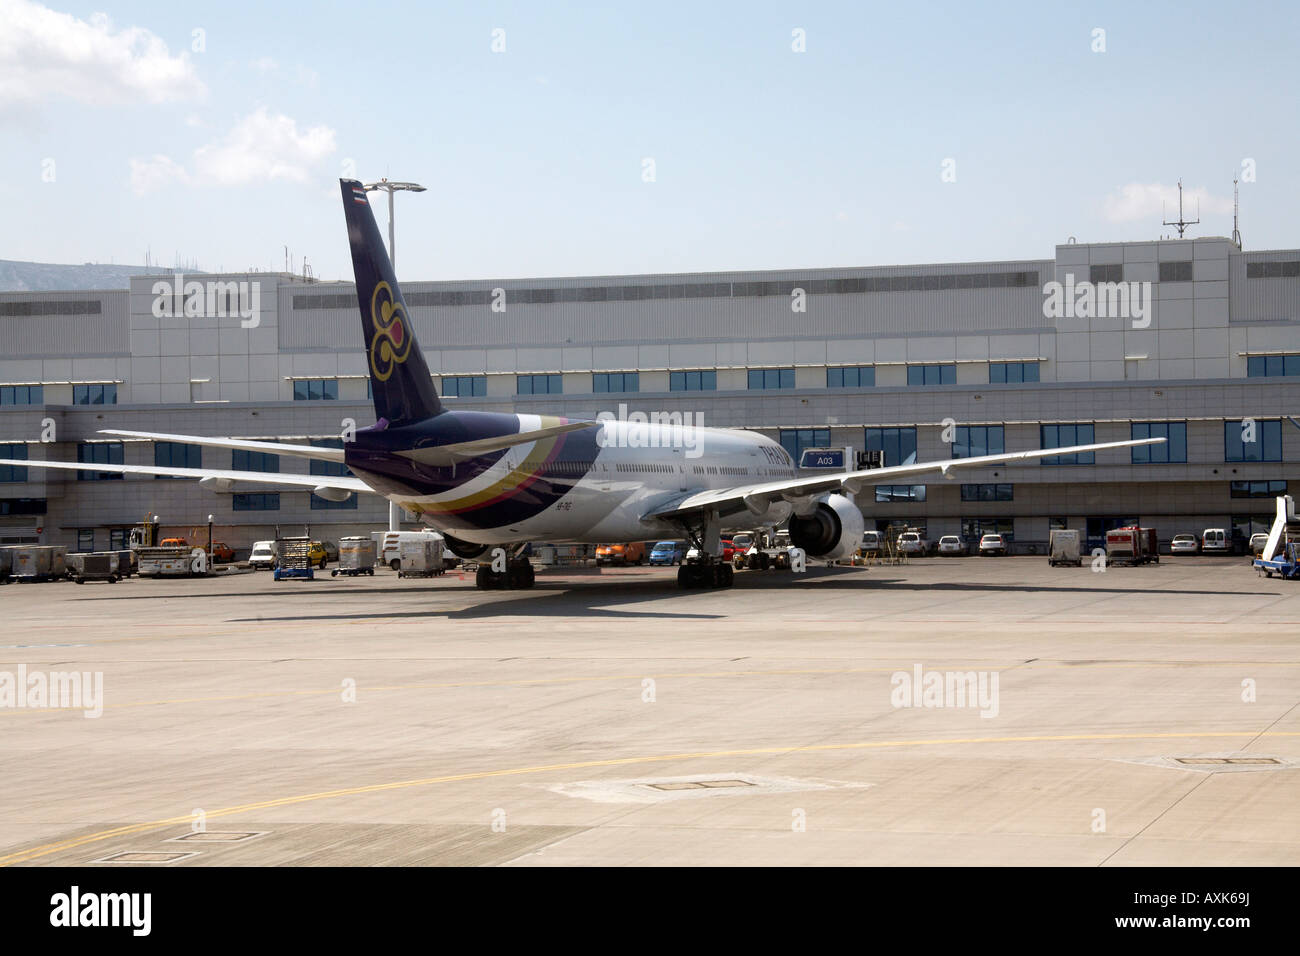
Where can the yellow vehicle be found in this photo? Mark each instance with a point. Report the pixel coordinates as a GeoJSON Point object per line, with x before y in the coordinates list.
{"type": "Point", "coordinates": [318, 555]}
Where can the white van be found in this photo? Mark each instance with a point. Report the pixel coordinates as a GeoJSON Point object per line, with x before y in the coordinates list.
{"type": "Point", "coordinates": [1215, 541]}
{"type": "Point", "coordinates": [262, 557]}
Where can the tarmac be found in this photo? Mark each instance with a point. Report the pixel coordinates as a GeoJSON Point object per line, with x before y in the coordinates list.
{"type": "Point", "coordinates": [945, 712]}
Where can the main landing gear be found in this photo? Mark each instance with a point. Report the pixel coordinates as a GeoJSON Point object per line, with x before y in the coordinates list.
{"type": "Point", "coordinates": [518, 576]}
{"type": "Point", "coordinates": [707, 570]}
{"type": "Point", "coordinates": [715, 574]}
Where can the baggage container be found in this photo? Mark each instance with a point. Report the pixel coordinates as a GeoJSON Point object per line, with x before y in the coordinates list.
{"type": "Point", "coordinates": [356, 556]}
{"type": "Point", "coordinates": [1063, 547]}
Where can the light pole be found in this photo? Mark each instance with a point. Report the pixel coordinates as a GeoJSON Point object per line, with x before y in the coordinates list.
{"type": "Point", "coordinates": [394, 518]}
{"type": "Point", "coordinates": [391, 188]}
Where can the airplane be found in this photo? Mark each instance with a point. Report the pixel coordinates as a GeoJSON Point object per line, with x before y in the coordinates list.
{"type": "Point", "coordinates": [489, 480]}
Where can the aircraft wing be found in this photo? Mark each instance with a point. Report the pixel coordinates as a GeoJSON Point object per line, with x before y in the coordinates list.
{"type": "Point", "coordinates": [218, 475]}
{"type": "Point", "coordinates": [244, 444]}
{"type": "Point", "coordinates": [757, 497]}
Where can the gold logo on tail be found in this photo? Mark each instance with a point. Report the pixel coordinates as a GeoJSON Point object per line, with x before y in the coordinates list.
{"type": "Point", "coordinates": [392, 340]}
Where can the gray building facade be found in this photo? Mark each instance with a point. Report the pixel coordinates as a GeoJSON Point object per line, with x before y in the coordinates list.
{"type": "Point", "coordinates": [1194, 340]}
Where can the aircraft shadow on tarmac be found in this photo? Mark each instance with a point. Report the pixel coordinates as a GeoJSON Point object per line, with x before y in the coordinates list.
{"type": "Point", "coordinates": [609, 596]}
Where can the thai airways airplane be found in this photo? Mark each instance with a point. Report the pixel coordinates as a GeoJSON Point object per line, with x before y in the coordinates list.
{"type": "Point", "coordinates": [489, 479]}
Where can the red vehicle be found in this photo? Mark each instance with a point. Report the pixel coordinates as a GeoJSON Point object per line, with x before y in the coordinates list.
{"type": "Point", "coordinates": [1131, 545]}
{"type": "Point", "coordinates": [730, 549]}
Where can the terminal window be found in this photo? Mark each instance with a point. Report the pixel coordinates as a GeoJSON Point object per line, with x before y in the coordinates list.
{"type": "Point", "coordinates": [332, 469]}
{"type": "Point", "coordinates": [176, 454]}
{"type": "Point", "coordinates": [795, 440]}
{"type": "Point", "coordinates": [932, 375]}
{"type": "Point", "coordinates": [898, 444]}
{"type": "Point", "coordinates": [241, 460]}
{"type": "Point", "coordinates": [1173, 450]}
{"type": "Point", "coordinates": [1257, 489]}
{"type": "Point", "coordinates": [464, 386]}
{"type": "Point", "coordinates": [1063, 436]}
{"type": "Point", "coordinates": [94, 395]}
{"type": "Point", "coordinates": [695, 380]}
{"type": "Point", "coordinates": [13, 472]}
{"type": "Point", "coordinates": [988, 492]}
{"type": "Point", "coordinates": [972, 529]}
{"type": "Point", "coordinates": [262, 501]}
{"type": "Point", "coordinates": [1271, 366]}
{"type": "Point", "coordinates": [771, 378]}
{"type": "Point", "coordinates": [974, 441]}
{"type": "Point", "coordinates": [99, 453]}
{"type": "Point", "coordinates": [615, 382]}
{"type": "Point", "coordinates": [22, 506]}
{"type": "Point", "coordinates": [540, 384]}
{"type": "Point", "coordinates": [1250, 440]}
{"type": "Point", "coordinates": [1108, 273]}
{"type": "Point", "coordinates": [22, 394]}
{"type": "Point", "coordinates": [851, 376]}
{"type": "Point", "coordinates": [1287, 269]}
{"type": "Point", "coordinates": [1012, 372]}
{"type": "Point", "coordinates": [899, 493]}
{"type": "Point", "coordinates": [1176, 271]}
{"type": "Point", "coordinates": [315, 389]}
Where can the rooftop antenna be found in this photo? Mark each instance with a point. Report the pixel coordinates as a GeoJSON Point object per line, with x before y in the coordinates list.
{"type": "Point", "coordinates": [1236, 233]}
{"type": "Point", "coordinates": [1182, 223]}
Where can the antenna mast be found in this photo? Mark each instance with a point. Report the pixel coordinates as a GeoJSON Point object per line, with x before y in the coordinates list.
{"type": "Point", "coordinates": [1236, 233]}
{"type": "Point", "coordinates": [1182, 223]}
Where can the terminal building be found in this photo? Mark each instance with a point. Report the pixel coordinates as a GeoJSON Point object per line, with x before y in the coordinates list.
{"type": "Point", "coordinates": [1194, 340]}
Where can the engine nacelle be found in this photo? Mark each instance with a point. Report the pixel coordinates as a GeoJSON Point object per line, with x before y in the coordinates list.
{"type": "Point", "coordinates": [463, 549]}
{"type": "Point", "coordinates": [833, 530]}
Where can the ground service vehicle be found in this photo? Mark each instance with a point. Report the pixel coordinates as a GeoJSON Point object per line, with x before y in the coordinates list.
{"type": "Point", "coordinates": [222, 552]}
{"type": "Point", "coordinates": [356, 556]}
{"type": "Point", "coordinates": [390, 546]}
{"type": "Point", "coordinates": [1131, 545]}
{"type": "Point", "coordinates": [421, 557]}
{"type": "Point", "coordinates": [39, 562]}
{"type": "Point", "coordinates": [293, 558]}
{"type": "Point", "coordinates": [633, 552]}
{"type": "Point", "coordinates": [93, 566]}
{"type": "Point", "coordinates": [1063, 547]}
{"type": "Point", "coordinates": [262, 557]}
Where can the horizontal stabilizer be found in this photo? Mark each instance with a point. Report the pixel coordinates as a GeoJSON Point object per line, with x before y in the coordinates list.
{"type": "Point", "coordinates": [442, 455]}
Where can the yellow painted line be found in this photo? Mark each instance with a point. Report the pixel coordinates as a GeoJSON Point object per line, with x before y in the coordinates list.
{"type": "Point", "coordinates": [25, 856]}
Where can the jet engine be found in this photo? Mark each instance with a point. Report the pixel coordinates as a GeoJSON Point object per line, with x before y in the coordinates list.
{"type": "Point", "coordinates": [832, 530]}
{"type": "Point", "coordinates": [465, 549]}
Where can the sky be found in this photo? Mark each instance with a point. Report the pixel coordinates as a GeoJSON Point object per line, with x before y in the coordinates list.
{"type": "Point", "coordinates": [597, 139]}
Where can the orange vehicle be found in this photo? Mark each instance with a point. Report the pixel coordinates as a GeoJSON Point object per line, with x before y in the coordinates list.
{"type": "Point", "coordinates": [633, 552]}
{"type": "Point", "coordinates": [222, 552]}
{"type": "Point", "coordinates": [173, 543]}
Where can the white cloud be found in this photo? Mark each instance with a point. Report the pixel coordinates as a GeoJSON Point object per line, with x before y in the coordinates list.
{"type": "Point", "coordinates": [156, 171]}
{"type": "Point", "coordinates": [264, 64]}
{"type": "Point", "coordinates": [45, 54]}
{"type": "Point", "coordinates": [261, 147]}
{"type": "Point", "coordinates": [1155, 201]}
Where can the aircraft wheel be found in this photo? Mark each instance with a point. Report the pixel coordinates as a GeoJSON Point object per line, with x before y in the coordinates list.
{"type": "Point", "coordinates": [395, 564]}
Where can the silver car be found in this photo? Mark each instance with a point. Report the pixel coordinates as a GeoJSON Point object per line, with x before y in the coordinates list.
{"type": "Point", "coordinates": [1184, 544]}
{"type": "Point", "coordinates": [993, 544]}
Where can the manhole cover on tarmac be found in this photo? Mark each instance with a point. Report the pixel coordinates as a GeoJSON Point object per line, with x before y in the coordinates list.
{"type": "Point", "coordinates": [145, 856]}
{"type": "Point", "coordinates": [659, 789]}
{"type": "Point", "coordinates": [1218, 763]}
{"type": "Point", "coordinates": [218, 836]}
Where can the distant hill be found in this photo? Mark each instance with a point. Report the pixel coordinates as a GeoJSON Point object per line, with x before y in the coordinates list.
{"type": "Point", "coordinates": [45, 277]}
